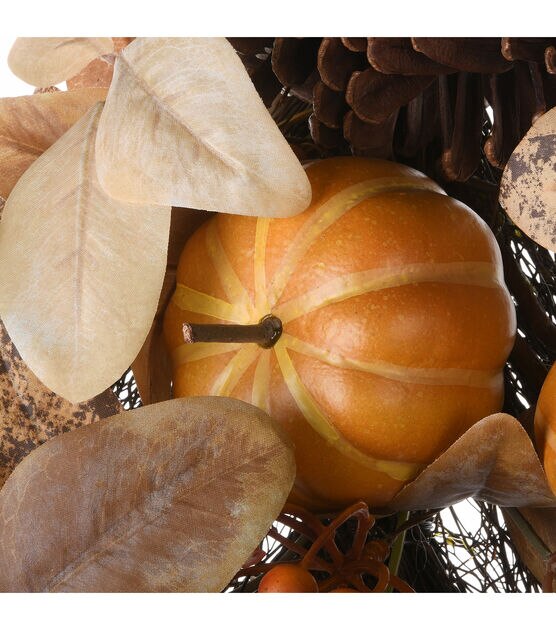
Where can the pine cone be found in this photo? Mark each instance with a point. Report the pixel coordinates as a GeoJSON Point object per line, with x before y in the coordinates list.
{"type": "Point", "coordinates": [418, 99]}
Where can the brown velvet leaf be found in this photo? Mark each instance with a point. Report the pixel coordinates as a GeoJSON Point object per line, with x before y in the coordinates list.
{"type": "Point", "coordinates": [370, 139]}
{"type": "Point", "coordinates": [493, 461]}
{"type": "Point", "coordinates": [329, 106]}
{"type": "Point", "coordinates": [98, 73]}
{"type": "Point", "coordinates": [336, 63]}
{"type": "Point", "coordinates": [31, 124]}
{"type": "Point", "coordinates": [528, 186]}
{"type": "Point", "coordinates": [166, 497]}
{"type": "Point", "coordinates": [30, 413]}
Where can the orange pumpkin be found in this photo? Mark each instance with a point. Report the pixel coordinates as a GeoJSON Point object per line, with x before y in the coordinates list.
{"type": "Point", "coordinates": [545, 426]}
{"type": "Point", "coordinates": [396, 325]}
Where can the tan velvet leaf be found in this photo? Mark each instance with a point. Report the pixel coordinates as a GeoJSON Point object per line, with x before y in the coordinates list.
{"type": "Point", "coordinates": [30, 124]}
{"type": "Point", "coordinates": [44, 61]}
{"type": "Point", "coordinates": [528, 185]}
{"type": "Point", "coordinates": [30, 413]}
{"type": "Point", "coordinates": [167, 497]}
{"type": "Point", "coordinates": [184, 126]}
{"type": "Point", "coordinates": [80, 272]}
{"type": "Point", "coordinates": [494, 461]}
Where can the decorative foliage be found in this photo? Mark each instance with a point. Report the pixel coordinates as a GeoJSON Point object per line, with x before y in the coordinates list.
{"type": "Point", "coordinates": [169, 136]}
{"type": "Point", "coordinates": [79, 291]}
{"type": "Point", "coordinates": [31, 124]}
{"type": "Point", "coordinates": [30, 413]}
{"type": "Point", "coordinates": [168, 497]}
{"type": "Point", "coordinates": [352, 568]}
{"type": "Point", "coordinates": [44, 61]}
{"type": "Point", "coordinates": [528, 186]}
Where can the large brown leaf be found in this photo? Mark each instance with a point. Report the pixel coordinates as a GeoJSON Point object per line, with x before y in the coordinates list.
{"type": "Point", "coordinates": [80, 273]}
{"type": "Point", "coordinates": [30, 124]}
{"type": "Point", "coordinates": [184, 126]}
{"type": "Point", "coordinates": [30, 413]}
{"type": "Point", "coordinates": [167, 497]}
{"type": "Point", "coordinates": [494, 461]}
{"type": "Point", "coordinates": [44, 61]}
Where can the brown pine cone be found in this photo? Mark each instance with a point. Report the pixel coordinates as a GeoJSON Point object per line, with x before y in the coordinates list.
{"type": "Point", "coordinates": [422, 100]}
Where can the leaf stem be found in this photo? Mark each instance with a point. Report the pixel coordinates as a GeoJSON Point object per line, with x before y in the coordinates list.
{"type": "Point", "coordinates": [397, 547]}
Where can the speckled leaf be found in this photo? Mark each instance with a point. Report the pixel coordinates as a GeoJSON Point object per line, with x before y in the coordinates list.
{"type": "Point", "coordinates": [184, 126]}
{"type": "Point", "coordinates": [80, 272]}
{"type": "Point", "coordinates": [493, 461]}
{"type": "Point", "coordinates": [31, 124]}
{"type": "Point", "coordinates": [30, 413]}
{"type": "Point", "coordinates": [528, 186]}
{"type": "Point", "coordinates": [44, 61]}
{"type": "Point", "coordinates": [99, 72]}
{"type": "Point", "coordinates": [168, 497]}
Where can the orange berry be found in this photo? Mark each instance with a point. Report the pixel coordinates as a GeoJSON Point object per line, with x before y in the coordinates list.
{"type": "Point", "coordinates": [288, 578]}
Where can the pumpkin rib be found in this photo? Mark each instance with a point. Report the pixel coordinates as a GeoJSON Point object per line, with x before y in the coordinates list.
{"type": "Point", "coordinates": [190, 352]}
{"type": "Point", "coordinates": [259, 264]}
{"type": "Point", "coordinates": [363, 282]}
{"type": "Point", "coordinates": [402, 471]}
{"type": "Point", "coordinates": [261, 383]}
{"type": "Point", "coordinates": [330, 211]}
{"type": "Point", "coordinates": [402, 373]}
{"type": "Point", "coordinates": [232, 285]}
{"type": "Point", "coordinates": [230, 375]}
{"type": "Point", "coordinates": [188, 299]}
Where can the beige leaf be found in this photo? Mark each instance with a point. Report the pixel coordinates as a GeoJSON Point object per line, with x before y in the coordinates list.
{"type": "Point", "coordinates": [80, 272]}
{"type": "Point", "coordinates": [528, 185]}
{"type": "Point", "coordinates": [30, 124]}
{"type": "Point", "coordinates": [184, 126]}
{"type": "Point", "coordinates": [494, 461]}
{"type": "Point", "coordinates": [44, 61]}
{"type": "Point", "coordinates": [98, 73]}
{"type": "Point", "coordinates": [167, 497]}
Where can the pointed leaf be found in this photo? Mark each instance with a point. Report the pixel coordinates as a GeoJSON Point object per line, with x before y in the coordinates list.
{"type": "Point", "coordinates": [528, 185]}
{"type": "Point", "coordinates": [184, 126]}
{"type": "Point", "coordinates": [167, 497]}
{"type": "Point", "coordinates": [30, 413]}
{"type": "Point", "coordinates": [44, 61]}
{"type": "Point", "coordinates": [80, 272]}
{"type": "Point", "coordinates": [494, 461]}
{"type": "Point", "coordinates": [30, 124]}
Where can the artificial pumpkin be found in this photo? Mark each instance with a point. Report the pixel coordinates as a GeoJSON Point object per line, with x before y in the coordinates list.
{"type": "Point", "coordinates": [396, 325]}
{"type": "Point", "coordinates": [545, 426]}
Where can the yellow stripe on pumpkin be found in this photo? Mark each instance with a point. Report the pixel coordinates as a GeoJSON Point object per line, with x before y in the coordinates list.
{"type": "Point", "coordinates": [402, 471]}
{"type": "Point", "coordinates": [261, 383]}
{"type": "Point", "coordinates": [189, 352]}
{"type": "Point", "coordinates": [330, 211]}
{"type": "Point", "coordinates": [405, 374]}
{"type": "Point", "coordinates": [230, 376]}
{"type": "Point", "coordinates": [188, 299]}
{"type": "Point", "coordinates": [232, 285]}
{"type": "Point", "coordinates": [261, 236]}
{"type": "Point", "coordinates": [361, 282]}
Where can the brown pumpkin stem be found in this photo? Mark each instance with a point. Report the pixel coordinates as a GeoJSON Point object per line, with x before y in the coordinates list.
{"type": "Point", "coordinates": [266, 333]}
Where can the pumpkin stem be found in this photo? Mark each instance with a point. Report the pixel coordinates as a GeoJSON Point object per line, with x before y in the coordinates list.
{"type": "Point", "coordinates": [266, 333]}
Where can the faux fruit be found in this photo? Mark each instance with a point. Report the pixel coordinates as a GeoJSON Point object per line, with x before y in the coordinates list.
{"type": "Point", "coordinates": [545, 427]}
{"type": "Point", "coordinates": [288, 578]}
{"type": "Point", "coordinates": [395, 325]}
